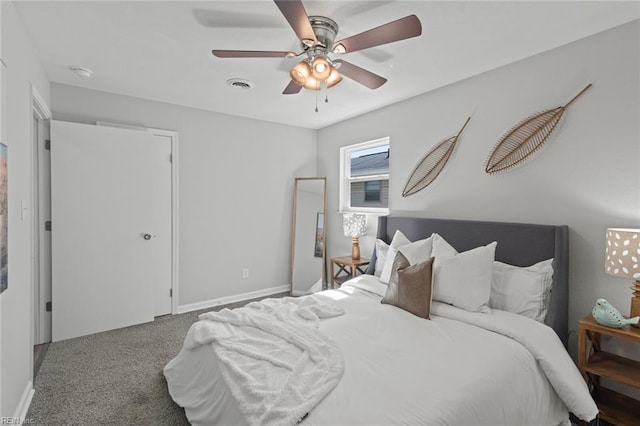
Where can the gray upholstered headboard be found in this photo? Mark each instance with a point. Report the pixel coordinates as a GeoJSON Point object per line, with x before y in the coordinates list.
{"type": "Point", "coordinates": [519, 244]}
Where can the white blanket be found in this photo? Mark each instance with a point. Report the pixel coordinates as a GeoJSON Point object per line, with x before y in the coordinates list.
{"type": "Point", "coordinates": [276, 363]}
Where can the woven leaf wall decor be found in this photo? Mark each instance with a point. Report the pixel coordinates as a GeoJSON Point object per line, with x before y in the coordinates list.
{"type": "Point", "coordinates": [430, 166]}
{"type": "Point", "coordinates": [525, 138]}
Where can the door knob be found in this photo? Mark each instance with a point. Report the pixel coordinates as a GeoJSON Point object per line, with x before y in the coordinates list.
{"type": "Point", "coordinates": [147, 236]}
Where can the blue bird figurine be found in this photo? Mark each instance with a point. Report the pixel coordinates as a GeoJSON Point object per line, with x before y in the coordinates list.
{"type": "Point", "coordinates": [604, 313]}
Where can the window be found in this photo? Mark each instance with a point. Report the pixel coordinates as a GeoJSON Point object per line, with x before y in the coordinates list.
{"type": "Point", "coordinates": [364, 183]}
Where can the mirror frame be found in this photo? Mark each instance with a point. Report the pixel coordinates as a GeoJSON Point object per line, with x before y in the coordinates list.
{"type": "Point", "coordinates": [293, 229]}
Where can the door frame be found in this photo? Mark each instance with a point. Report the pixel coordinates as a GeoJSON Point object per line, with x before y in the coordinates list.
{"type": "Point", "coordinates": [174, 199]}
{"type": "Point", "coordinates": [41, 112]}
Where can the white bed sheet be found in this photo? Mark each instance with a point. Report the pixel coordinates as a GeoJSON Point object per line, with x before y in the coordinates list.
{"type": "Point", "coordinates": [399, 369]}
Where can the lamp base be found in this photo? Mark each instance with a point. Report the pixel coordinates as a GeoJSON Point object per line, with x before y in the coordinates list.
{"type": "Point", "coordinates": [635, 302]}
{"type": "Point", "coordinates": [355, 250]}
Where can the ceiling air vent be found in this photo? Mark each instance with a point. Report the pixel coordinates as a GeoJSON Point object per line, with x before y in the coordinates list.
{"type": "Point", "coordinates": [240, 83]}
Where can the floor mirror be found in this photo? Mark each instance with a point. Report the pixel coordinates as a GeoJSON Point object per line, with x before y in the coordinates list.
{"type": "Point", "coordinates": [308, 263]}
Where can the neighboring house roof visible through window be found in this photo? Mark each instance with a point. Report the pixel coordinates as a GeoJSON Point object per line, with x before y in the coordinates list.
{"type": "Point", "coordinates": [370, 164]}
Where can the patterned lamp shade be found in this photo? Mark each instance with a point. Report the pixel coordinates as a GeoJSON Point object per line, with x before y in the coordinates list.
{"type": "Point", "coordinates": [623, 260]}
{"type": "Point", "coordinates": [354, 225]}
{"type": "Point", "coordinates": [623, 253]}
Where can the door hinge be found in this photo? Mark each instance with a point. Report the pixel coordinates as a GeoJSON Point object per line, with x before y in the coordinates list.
{"type": "Point", "coordinates": [47, 307]}
{"type": "Point", "coordinates": [171, 158]}
{"type": "Point", "coordinates": [47, 225]}
{"type": "Point", "coordinates": [170, 292]}
{"type": "Point", "coordinates": [47, 144]}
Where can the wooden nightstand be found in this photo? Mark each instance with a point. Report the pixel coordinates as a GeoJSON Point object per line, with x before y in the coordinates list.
{"type": "Point", "coordinates": [595, 363]}
{"type": "Point", "coordinates": [348, 267]}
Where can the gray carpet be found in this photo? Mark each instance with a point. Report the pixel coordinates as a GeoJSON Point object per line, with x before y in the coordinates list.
{"type": "Point", "coordinates": [113, 378]}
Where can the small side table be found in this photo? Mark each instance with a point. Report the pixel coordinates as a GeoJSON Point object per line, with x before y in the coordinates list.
{"type": "Point", "coordinates": [347, 269]}
{"type": "Point", "coordinates": [595, 363]}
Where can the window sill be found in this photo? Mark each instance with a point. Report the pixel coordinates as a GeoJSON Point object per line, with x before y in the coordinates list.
{"type": "Point", "coordinates": [365, 210]}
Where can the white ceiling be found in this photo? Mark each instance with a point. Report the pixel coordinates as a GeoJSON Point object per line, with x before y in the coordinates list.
{"type": "Point", "coordinates": [161, 50]}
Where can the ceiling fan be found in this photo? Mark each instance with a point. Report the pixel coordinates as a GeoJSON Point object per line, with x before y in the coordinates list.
{"type": "Point", "coordinates": [317, 35]}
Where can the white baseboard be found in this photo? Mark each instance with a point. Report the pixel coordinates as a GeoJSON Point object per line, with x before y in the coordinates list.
{"type": "Point", "coordinates": [232, 299]}
{"type": "Point", "coordinates": [24, 403]}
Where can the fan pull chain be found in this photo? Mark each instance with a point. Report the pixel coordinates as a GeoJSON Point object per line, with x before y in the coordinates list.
{"type": "Point", "coordinates": [323, 86]}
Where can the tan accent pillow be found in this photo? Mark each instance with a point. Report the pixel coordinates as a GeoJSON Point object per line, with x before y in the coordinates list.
{"type": "Point", "coordinates": [410, 286]}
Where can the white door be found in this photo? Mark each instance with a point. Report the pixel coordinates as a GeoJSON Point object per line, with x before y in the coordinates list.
{"type": "Point", "coordinates": [162, 213]}
{"type": "Point", "coordinates": [107, 233]}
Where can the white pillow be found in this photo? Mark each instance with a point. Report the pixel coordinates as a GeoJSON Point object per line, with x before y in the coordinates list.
{"type": "Point", "coordinates": [418, 251]}
{"type": "Point", "coordinates": [382, 249]}
{"type": "Point", "coordinates": [398, 240]}
{"type": "Point", "coordinates": [415, 252]}
{"type": "Point", "coordinates": [463, 279]}
{"type": "Point", "coordinates": [522, 290]}
{"type": "Point", "coordinates": [442, 248]}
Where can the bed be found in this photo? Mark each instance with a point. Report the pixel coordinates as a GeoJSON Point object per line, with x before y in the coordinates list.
{"type": "Point", "coordinates": [340, 357]}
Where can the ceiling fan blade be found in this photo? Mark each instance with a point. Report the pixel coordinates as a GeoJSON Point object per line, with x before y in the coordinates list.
{"type": "Point", "coordinates": [360, 75]}
{"type": "Point", "coordinates": [249, 54]}
{"type": "Point", "coordinates": [294, 12]}
{"type": "Point", "coordinates": [292, 88]}
{"type": "Point", "coordinates": [403, 28]}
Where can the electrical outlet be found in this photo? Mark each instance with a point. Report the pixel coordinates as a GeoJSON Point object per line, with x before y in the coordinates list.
{"type": "Point", "coordinates": [245, 273]}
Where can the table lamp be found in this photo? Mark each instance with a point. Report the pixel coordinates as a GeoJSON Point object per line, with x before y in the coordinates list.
{"type": "Point", "coordinates": [355, 226]}
{"type": "Point", "coordinates": [623, 260]}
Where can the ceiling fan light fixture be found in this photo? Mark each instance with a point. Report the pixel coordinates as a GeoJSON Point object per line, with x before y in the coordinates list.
{"type": "Point", "coordinates": [301, 73]}
{"type": "Point", "coordinates": [339, 48]}
{"type": "Point", "coordinates": [312, 83]}
{"type": "Point", "coordinates": [334, 78]}
{"type": "Point", "coordinates": [320, 68]}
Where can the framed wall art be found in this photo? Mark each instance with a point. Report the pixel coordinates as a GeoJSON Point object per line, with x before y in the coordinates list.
{"type": "Point", "coordinates": [4, 220]}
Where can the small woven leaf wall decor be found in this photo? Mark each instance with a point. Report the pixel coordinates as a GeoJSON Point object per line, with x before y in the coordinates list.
{"type": "Point", "coordinates": [430, 166]}
{"type": "Point", "coordinates": [525, 138]}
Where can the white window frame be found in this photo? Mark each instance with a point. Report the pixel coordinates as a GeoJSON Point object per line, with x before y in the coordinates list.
{"type": "Point", "coordinates": [346, 179]}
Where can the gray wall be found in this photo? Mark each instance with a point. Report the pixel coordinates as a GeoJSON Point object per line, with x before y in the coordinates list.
{"type": "Point", "coordinates": [235, 178]}
{"type": "Point", "coordinates": [587, 176]}
{"type": "Point", "coordinates": [23, 69]}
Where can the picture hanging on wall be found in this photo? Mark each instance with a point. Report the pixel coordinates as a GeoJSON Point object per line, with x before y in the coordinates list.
{"type": "Point", "coordinates": [525, 138]}
{"type": "Point", "coordinates": [319, 235]}
{"type": "Point", "coordinates": [430, 166]}
{"type": "Point", "coordinates": [4, 220]}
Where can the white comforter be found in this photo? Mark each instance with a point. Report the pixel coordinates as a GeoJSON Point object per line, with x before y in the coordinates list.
{"type": "Point", "coordinates": [275, 362]}
{"type": "Point", "coordinates": [543, 344]}
{"type": "Point", "coordinates": [458, 368]}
